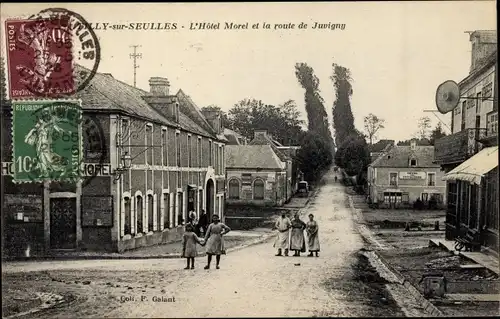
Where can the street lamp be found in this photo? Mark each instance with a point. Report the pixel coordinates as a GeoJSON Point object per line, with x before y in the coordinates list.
{"type": "Point", "coordinates": [125, 164]}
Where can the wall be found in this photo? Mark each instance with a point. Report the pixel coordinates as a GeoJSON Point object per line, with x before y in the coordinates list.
{"type": "Point", "coordinates": [414, 188]}
{"type": "Point", "coordinates": [153, 173]}
{"type": "Point", "coordinates": [476, 86]}
{"type": "Point", "coordinates": [274, 187]}
{"type": "Point", "coordinates": [167, 181]}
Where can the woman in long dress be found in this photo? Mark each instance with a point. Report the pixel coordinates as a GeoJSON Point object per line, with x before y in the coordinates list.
{"type": "Point", "coordinates": [214, 240]}
{"type": "Point", "coordinates": [312, 236]}
{"type": "Point", "coordinates": [297, 242]}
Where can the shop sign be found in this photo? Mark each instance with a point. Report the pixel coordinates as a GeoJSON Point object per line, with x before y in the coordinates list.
{"type": "Point", "coordinates": [412, 175]}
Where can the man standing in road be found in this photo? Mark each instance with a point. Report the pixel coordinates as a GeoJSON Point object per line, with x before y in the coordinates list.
{"type": "Point", "coordinates": [283, 225]}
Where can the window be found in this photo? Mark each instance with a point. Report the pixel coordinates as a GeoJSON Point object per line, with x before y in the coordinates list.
{"type": "Point", "coordinates": [164, 145]}
{"type": "Point", "coordinates": [190, 151]}
{"type": "Point", "coordinates": [464, 105]}
{"type": "Point", "coordinates": [180, 202]}
{"type": "Point", "coordinates": [234, 189]}
{"type": "Point", "coordinates": [405, 197]}
{"type": "Point", "coordinates": [425, 197]}
{"type": "Point", "coordinates": [179, 179]}
{"type": "Point", "coordinates": [221, 160]}
{"type": "Point", "coordinates": [258, 189]}
{"type": "Point", "coordinates": [431, 179]}
{"type": "Point", "coordinates": [166, 211]}
{"type": "Point", "coordinates": [128, 216]}
{"type": "Point", "coordinates": [149, 144]}
{"type": "Point", "coordinates": [151, 214]}
{"type": "Point", "coordinates": [492, 123]}
{"type": "Point", "coordinates": [178, 148]}
{"type": "Point", "coordinates": [210, 153]}
{"type": "Point", "coordinates": [492, 200]}
{"type": "Point", "coordinates": [138, 214]}
{"type": "Point", "coordinates": [479, 103]}
{"type": "Point", "coordinates": [216, 159]}
{"type": "Point", "coordinates": [413, 162]}
{"type": "Point", "coordinates": [223, 168]}
{"type": "Point", "coordinates": [200, 200]}
{"type": "Point", "coordinates": [198, 151]}
{"type": "Point", "coordinates": [393, 179]}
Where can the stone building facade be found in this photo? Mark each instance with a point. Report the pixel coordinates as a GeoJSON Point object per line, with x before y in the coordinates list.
{"type": "Point", "coordinates": [177, 165]}
{"type": "Point", "coordinates": [466, 155]}
{"type": "Point", "coordinates": [403, 174]}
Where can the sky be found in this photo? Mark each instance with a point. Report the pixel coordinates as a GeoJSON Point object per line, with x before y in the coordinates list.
{"type": "Point", "coordinates": [397, 52]}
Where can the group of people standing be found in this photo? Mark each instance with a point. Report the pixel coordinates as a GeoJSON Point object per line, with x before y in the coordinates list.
{"type": "Point", "coordinates": [291, 235]}
{"type": "Point", "coordinates": [211, 237]}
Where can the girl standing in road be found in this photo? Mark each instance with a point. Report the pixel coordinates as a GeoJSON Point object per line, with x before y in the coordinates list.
{"type": "Point", "coordinates": [189, 241]}
{"type": "Point", "coordinates": [214, 240]}
{"type": "Point", "coordinates": [312, 236]}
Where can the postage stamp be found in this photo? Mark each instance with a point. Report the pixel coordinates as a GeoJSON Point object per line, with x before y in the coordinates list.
{"type": "Point", "coordinates": [47, 140]}
{"type": "Point", "coordinates": [52, 54]}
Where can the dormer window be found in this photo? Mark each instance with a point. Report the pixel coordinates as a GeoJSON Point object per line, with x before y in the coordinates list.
{"type": "Point", "coordinates": [413, 162]}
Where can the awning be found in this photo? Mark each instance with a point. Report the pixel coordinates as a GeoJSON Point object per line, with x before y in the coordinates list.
{"type": "Point", "coordinates": [475, 167]}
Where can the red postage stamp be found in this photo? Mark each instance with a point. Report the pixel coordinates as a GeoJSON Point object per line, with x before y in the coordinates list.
{"type": "Point", "coordinates": [39, 58]}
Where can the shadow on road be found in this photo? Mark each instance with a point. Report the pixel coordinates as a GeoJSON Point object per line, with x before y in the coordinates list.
{"type": "Point", "coordinates": [362, 285]}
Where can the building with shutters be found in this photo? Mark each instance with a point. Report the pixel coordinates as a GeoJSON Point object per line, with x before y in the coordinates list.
{"type": "Point", "coordinates": [177, 161]}
{"type": "Point", "coordinates": [403, 174]}
{"type": "Point", "coordinates": [469, 155]}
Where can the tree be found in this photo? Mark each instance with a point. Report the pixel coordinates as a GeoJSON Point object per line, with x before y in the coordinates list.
{"type": "Point", "coordinates": [316, 114]}
{"type": "Point", "coordinates": [353, 154]}
{"type": "Point", "coordinates": [314, 156]}
{"type": "Point", "coordinates": [437, 133]}
{"type": "Point", "coordinates": [372, 125]}
{"type": "Point", "coordinates": [282, 122]}
{"type": "Point", "coordinates": [424, 125]}
{"type": "Point", "coordinates": [343, 120]}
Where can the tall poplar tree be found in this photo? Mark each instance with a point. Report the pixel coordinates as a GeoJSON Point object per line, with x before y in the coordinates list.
{"type": "Point", "coordinates": [316, 113]}
{"type": "Point", "coordinates": [343, 120]}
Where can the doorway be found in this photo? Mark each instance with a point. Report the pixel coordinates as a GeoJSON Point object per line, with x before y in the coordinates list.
{"type": "Point", "coordinates": [209, 202]}
{"type": "Point", "coordinates": [63, 223]}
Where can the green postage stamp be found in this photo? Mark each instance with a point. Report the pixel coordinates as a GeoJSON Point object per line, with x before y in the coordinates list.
{"type": "Point", "coordinates": [47, 140]}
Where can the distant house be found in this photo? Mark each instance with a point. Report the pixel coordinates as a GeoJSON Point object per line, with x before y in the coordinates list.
{"type": "Point", "coordinates": [403, 174]}
{"type": "Point", "coordinates": [258, 173]}
{"type": "Point", "coordinates": [379, 148]}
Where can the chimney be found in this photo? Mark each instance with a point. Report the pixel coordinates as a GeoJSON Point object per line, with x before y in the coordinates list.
{"type": "Point", "coordinates": [159, 86]}
{"type": "Point", "coordinates": [158, 98]}
{"type": "Point", "coordinates": [484, 43]}
{"type": "Point", "coordinates": [213, 118]}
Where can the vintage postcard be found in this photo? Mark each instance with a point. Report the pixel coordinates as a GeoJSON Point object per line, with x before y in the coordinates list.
{"type": "Point", "coordinates": [301, 159]}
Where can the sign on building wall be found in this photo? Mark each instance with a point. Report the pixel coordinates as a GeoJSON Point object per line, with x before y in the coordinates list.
{"type": "Point", "coordinates": [23, 207]}
{"type": "Point", "coordinates": [87, 169]}
{"type": "Point", "coordinates": [97, 211]}
{"type": "Point", "coordinates": [412, 175]}
{"type": "Point", "coordinates": [246, 179]}
{"type": "Point", "coordinates": [271, 177]}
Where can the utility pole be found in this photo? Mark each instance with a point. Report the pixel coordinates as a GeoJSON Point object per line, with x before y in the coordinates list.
{"type": "Point", "coordinates": [135, 56]}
